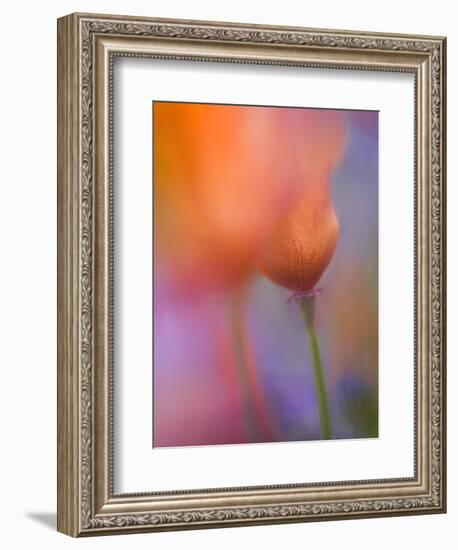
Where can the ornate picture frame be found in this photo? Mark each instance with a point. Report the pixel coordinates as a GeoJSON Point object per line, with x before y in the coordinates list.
{"type": "Point", "coordinates": [87, 46]}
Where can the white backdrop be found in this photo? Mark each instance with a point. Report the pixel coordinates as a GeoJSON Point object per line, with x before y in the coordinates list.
{"type": "Point", "coordinates": [137, 82]}
{"type": "Point", "coordinates": [28, 274]}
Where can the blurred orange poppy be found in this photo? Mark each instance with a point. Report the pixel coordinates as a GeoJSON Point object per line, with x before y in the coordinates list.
{"type": "Point", "coordinates": [240, 187]}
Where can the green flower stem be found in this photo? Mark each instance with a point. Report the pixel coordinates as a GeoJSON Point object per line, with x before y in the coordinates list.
{"type": "Point", "coordinates": [307, 307]}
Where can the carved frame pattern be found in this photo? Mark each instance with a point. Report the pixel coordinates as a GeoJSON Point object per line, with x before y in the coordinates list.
{"type": "Point", "coordinates": [79, 513]}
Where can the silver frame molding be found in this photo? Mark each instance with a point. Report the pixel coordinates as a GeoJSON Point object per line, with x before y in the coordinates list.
{"type": "Point", "coordinates": [87, 45]}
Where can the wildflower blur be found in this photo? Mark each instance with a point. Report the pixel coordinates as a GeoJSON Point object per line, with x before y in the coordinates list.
{"type": "Point", "coordinates": [243, 215]}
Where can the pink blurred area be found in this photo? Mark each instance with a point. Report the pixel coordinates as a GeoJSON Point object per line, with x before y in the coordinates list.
{"type": "Point", "coordinates": [199, 397]}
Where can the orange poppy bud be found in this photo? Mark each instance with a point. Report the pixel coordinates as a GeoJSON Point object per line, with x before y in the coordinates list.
{"type": "Point", "coordinates": [302, 245]}
{"type": "Point", "coordinates": [303, 242]}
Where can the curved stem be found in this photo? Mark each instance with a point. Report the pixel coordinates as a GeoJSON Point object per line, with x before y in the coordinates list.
{"type": "Point", "coordinates": [238, 341]}
{"type": "Point", "coordinates": [307, 307]}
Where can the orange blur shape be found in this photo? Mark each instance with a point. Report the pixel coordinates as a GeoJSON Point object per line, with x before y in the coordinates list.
{"type": "Point", "coordinates": [240, 188]}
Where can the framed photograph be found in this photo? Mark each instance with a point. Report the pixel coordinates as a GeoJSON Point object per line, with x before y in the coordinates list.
{"type": "Point", "coordinates": [251, 289]}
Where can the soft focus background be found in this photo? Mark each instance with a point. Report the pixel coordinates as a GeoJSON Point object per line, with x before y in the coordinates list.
{"type": "Point", "coordinates": [213, 388]}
